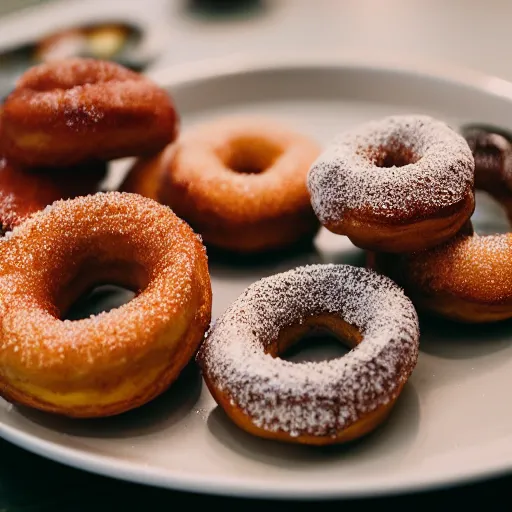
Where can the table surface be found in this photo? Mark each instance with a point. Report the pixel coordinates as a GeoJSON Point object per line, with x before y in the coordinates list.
{"type": "Point", "coordinates": [457, 33]}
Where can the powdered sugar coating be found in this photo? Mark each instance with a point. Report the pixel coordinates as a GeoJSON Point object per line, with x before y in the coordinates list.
{"type": "Point", "coordinates": [313, 398]}
{"type": "Point", "coordinates": [346, 179]}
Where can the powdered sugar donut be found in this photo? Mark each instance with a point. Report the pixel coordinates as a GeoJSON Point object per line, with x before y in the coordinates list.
{"type": "Point", "coordinates": [312, 402]}
{"type": "Point", "coordinates": [400, 184]}
{"type": "Point", "coordinates": [469, 277]}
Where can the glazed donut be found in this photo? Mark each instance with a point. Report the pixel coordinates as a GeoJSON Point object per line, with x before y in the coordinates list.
{"type": "Point", "coordinates": [117, 360]}
{"type": "Point", "coordinates": [312, 402]}
{"type": "Point", "coordinates": [71, 111]}
{"type": "Point", "coordinates": [400, 184]}
{"type": "Point", "coordinates": [23, 191]}
{"type": "Point", "coordinates": [241, 184]}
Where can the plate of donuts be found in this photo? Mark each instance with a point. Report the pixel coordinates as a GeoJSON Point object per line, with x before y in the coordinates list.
{"type": "Point", "coordinates": [183, 252]}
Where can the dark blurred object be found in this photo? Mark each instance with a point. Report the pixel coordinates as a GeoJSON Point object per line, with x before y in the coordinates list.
{"type": "Point", "coordinates": [115, 41]}
{"type": "Point", "coordinates": [224, 8]}
{"type": "Point", "coordinates": [105, 41]}
{"type": "Point", "coordinates": [492, 149]}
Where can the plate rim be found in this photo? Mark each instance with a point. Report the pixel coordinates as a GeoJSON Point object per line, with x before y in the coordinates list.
{"type": "Point", "coordinates": [239, 64]}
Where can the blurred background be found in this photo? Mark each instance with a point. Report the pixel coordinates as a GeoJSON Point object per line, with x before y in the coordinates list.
{"type": "Point", "coordinates": [147, 34]}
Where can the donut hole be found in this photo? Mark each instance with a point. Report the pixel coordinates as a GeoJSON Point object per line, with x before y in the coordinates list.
{"type": "Point", "coordinates": [317, 338]}
{"type": "Point", "coordinates": [99, 286]}
{"type": "Point", "coordinates": [393, 154]}
{"type": "Point", "coordinates": [251, 155]}
{"type": "Point", "coordinates": [99, 299]}
{"type": "Point", "coordinates": [316, 347]}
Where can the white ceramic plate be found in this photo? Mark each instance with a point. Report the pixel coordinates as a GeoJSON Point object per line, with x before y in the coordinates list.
{"type": "Point", "coordinates": [451, 424]}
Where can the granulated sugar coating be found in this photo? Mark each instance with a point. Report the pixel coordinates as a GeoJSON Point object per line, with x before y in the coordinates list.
{"type": "Point", "coordinates": [474, 268]}
{"type": "Point", "coordinates": [73, 72]}
{"type": "Point", "coordinates": [65, 113]}
{"type": "Point", "coordinates": [71, 246]}
{"type": "Point", "coordinates": [398, 169]}
{"type": "Point", "coordinates": [313, 398]}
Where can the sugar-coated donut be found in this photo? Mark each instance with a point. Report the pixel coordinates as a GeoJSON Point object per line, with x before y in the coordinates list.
{"type": "Point", "coordinates": [24, 191]}
{"type": "Point", "coordinates": [467, 279]}
{"type": "Point", "coordinates": [146, 176]}
{"type": "Point", "coordinates": [71, 111]}
{"type": "Point", "coordinates": [399, 184]}
{"type": "Point", "coordinates": [241, 184]}
{"type": "Point", "coordinates": [114, 361]}
{"type": "Point", "coordinates": [312, 402]}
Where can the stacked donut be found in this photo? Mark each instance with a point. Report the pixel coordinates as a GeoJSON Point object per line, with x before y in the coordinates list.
{"type": "Point", "coordinates": [403, 189]}
{"type": "Point", "coordinates": [59, 129]}
{"type": "Point", "coordinates": [62, 124]}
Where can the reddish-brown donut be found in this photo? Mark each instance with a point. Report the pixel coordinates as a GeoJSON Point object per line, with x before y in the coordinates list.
{"type": "Point", "coordinates": [399, 184]}
{"type": "Point", "coordinates": [24, 191]}
{"type": "Point", "coordinates": [241, 184]}
{"type": "Point", "coordinates": [66, 112]}
{"type": "Point", "coordinates": [113, 361]}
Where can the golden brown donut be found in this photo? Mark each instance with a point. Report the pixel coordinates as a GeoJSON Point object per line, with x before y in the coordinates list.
{"type": "Point", "coordinates": [241, 184]}
{"type": "Point", "coordinates": [399, 184]}
{"type": "Point", "coordinates": [114, 361]}
{"type": "Point", "coordinates": [24, 191]}
{"type": "Point", "coordinates": [467, 279]}
{"type": "Point", "coordinates": [71, 111]}
{"type": "Point", "coordinates": [314, 403]}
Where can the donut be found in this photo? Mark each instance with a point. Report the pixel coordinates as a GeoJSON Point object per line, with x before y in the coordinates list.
{"type": "Point", "coordinates": [24, 191]}
{"type": "Point", "coordinates": [492, 151]}
{"type": "Point", "coordinates": [71, 111]}
{"type": "Point", "coordinates": [146, 176]}
{"type": "Point", "coordinates": [117, 360]}
{"type": "Point", "coordinates": [241, 184]}
{"type": "Point", "coordinates": [467, 279]}
{"type": "Point", "coordinates": [399, 184]}
{"type": "Point", "coordinates": [314, 403]}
